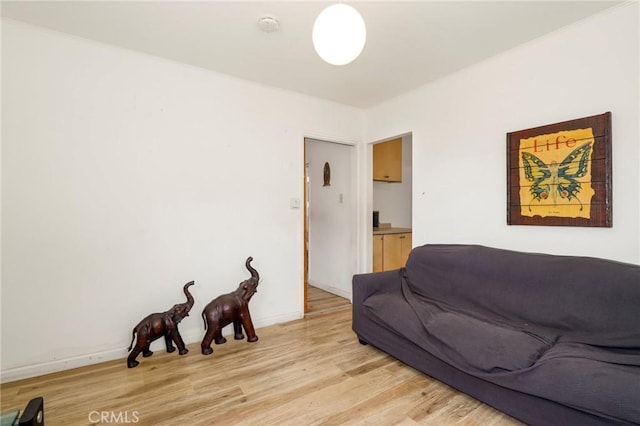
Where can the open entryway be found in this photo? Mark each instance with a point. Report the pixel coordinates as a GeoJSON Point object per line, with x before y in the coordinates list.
{"type": "Point", "coordinates": [323, 302]}
{"type": "Point", "coordinates": [392, 237]}
{"type": "Point", "coordinates": [330, 220]}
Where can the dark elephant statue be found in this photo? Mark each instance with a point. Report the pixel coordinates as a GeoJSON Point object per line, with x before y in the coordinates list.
{"type": "Point", "coordinates": [231, 308]}
{"type": "Point", "coordinates": [157, 325]}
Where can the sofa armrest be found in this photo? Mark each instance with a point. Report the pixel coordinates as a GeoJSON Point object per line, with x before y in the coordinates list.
{"type": "Point", "coordinates": [365, 285]}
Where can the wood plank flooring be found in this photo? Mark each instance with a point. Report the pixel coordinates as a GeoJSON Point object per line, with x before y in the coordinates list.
{"type": "Point", "coordinates": [322, 301]}
{"type": "Point", "coordinates": [311, 371]}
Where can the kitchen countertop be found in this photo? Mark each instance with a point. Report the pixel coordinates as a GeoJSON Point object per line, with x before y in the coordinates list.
{"type": "Point", "coordinates": [384, 231]}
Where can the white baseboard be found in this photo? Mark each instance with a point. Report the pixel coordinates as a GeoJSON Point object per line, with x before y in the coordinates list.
{"type": "Point", "coordinates": [34, 370]}
{"type": "Point", "coordinates": [331, 289]}
{"type": "Point", "coordinates": [276, 319]}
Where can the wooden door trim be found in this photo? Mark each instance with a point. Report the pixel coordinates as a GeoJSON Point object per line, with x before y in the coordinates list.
{"type": "Point", "coordinates": [305, 247]}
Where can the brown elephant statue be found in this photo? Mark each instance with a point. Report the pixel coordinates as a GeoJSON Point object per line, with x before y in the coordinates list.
{"type": "Point", "coordinates": [231, 308]}
{"type": "Point", "coordinates": [161, 324]}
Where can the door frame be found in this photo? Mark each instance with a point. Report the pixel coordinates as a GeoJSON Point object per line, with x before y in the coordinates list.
{"type": "Point", "coordinates": [367, 239]}
{"type": "Point", "coordinates": [355, 206]}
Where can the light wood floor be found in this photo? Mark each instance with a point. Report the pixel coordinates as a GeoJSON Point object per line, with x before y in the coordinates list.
{"type": "Point", "coordinates": [320, 301]}
{"type": "Point", "coordinates": [307, 372]}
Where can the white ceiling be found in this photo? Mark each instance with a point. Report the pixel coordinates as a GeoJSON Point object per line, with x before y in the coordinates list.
{"type": "Point", "coordinates": [408, 43]}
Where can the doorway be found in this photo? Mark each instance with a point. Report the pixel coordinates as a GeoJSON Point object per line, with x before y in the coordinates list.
{"type": "Point", "coordinates": [391, 202]}
{"type": "Point", "coordinates": [322, 302]}
{"type": "Point", "coordinates": [330, 249]}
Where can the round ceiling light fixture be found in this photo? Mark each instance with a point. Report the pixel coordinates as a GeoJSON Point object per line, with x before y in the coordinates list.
{"type": "Point", "coordinates": [339, 34]}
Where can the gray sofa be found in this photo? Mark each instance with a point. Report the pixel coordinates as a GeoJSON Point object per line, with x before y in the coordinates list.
{"type": "Point", "coordinates": [546, 339]}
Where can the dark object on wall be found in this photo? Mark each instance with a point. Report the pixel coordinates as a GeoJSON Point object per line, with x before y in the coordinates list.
{"type": "Point", "coordinates": [231, 308]}
{"type": "Point", "coordinates": [376, 219]}
{"type": "Point", "coordinates": [158, 325]}
{"type": "Point", "coordinates": [33, 414]}
{"type": "Point", "coordinates": [326, 174]}
{"type": "Point", "coordinates": [560, 174]}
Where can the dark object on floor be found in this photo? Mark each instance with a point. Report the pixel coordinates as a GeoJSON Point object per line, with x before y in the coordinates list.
{"type": "Point", "coordinates": [549, 340]}
{"type": "Point", "coordinates": [158, 325]}
{"type": "Point", "coordinates": [33, 414]}
{"type": "Point", "coordinates": [231, 308]}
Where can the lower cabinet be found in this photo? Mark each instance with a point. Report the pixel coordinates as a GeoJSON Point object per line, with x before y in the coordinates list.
{"type": "Point", "coordinates": [377, 252]}
{"type": "Point", "coordinates": [390, 251]}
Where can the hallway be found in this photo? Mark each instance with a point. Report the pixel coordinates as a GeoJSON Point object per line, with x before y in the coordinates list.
{"type": "Point", "coordinates": [320, 301]}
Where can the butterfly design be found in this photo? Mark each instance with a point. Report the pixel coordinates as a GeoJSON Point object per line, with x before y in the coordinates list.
{"type": "Point", "coordinates": [557, 180]}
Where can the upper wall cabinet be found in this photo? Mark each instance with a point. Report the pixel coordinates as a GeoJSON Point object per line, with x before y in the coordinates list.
{"type": "Point", "coordinates": [387, 161]}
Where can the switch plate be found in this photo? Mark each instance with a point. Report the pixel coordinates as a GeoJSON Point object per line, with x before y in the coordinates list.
{"type": "Point", "coordinates": [294, 203]}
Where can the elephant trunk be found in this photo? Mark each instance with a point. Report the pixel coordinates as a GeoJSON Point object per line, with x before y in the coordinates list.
{"type": "Point", "coordinates": [188, 294]}
{"type": "Point", "coordinates": [254, 273]}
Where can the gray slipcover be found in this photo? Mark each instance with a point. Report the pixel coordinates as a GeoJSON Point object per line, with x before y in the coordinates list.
{"type": "Point", "coordinates": [548, 339]}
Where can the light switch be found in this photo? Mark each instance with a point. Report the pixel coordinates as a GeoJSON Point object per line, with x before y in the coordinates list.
{"type": "Point", "coordinates": [294, 203]}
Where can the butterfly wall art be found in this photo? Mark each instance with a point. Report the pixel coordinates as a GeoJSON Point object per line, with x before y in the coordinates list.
{"type": "Point", "coordinates": [560, 174]}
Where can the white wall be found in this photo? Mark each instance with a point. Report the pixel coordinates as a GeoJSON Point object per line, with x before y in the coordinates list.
{"type": "Point", "coordinates": [393, 199]}
{"type": "Point", "coordinates": [459, 126]}
{"type": "Point", "coordinates": [123, 177]}
{"type": "Point", "coordinates": [332, 217]}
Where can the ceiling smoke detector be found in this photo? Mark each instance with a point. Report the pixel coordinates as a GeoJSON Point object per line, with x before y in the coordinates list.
{"type": "Point", "coordinates": [269, 24]}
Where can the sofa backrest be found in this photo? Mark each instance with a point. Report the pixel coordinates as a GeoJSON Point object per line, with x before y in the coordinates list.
{"type": "Point", "coordinates": [587, 300]}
